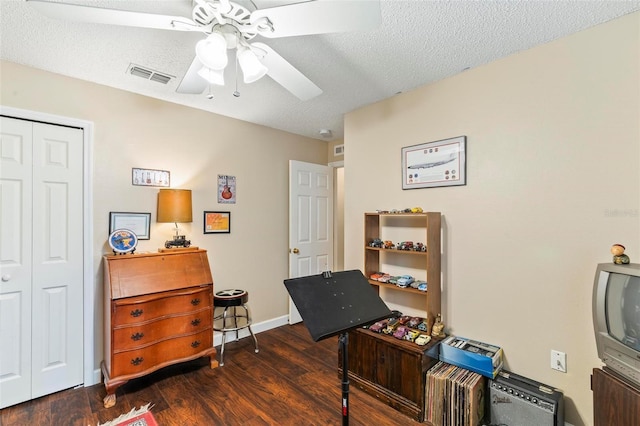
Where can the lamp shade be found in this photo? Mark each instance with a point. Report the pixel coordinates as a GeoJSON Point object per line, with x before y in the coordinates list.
{"type": "Point", "coordinates": [174, 205]}
{"type": "Point", "coordinates": [212, 51]}
{"type": "Point", "coordinates": [252, 68]}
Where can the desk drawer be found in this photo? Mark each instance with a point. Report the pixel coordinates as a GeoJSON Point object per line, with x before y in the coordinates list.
{"type": "Point", "coordinates": [164, 352]}
{"type": "Point", "coordinates": [139, 335]}
{"type": "Point", "coordinates": [141, 309]}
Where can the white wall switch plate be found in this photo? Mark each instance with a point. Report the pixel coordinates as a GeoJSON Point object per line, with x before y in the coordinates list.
{"type": "Point", "coordinates": [559, 361]}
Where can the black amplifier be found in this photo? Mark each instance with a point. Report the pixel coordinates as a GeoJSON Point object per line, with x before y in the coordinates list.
{"type": "Point", "coordinates": [518, 401]}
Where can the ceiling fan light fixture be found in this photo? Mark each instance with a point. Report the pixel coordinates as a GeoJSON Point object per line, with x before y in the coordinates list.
{"type": "Point", "coordinates": [212, 76]}
{"type": "Point", "coordinates": [252, 68]}
{"type": "Point", "coordinates": [212, 51]}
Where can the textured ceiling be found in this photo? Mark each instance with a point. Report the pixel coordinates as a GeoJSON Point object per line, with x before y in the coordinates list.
{"type": "Point", "coordinates": [418, 42]}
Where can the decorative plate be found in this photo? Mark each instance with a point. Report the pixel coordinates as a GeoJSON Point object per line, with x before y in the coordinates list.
{"type": "Point", "coordinates": [123, 241]}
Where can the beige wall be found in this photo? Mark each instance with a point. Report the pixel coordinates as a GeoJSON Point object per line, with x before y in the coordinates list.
{"type": "Point", "coordinates": [195, 146]}
{"type": "Point", "coordinates": [553, 180]}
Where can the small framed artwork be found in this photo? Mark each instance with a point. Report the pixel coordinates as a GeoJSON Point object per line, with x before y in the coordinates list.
{"type": "Point", "coordinates": [217, 222]}
{"type": "Point", "coordinates": [434, 164]}
{"type": "Point", "coordinates": [138, 223]}
{"type": "Point", "coordinates": [226, 189]}
{"type": "Point", "coordinates": [150, 177]}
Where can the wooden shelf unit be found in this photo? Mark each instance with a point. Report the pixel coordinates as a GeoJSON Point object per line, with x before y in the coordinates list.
{"type": "Point", "coordinates": [430, 223]}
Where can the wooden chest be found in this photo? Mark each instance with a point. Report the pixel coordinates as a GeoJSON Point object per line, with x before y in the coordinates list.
{"type": "Point", "coordinates": [158, 311]}
{"type": "Point", "coordinates": [392, 370]}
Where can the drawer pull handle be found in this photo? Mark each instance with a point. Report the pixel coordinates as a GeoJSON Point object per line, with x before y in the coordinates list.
{"type": "Point", "coordinates": [195, 302]}
{"type": "Point", "coordinates": [195, 344]}
{"type": "Point", "coordinates": [137, 336]}
{"type": "Point", "coordinates": [195, 322]}
{"type": "Point", "coordinates": [137, 313]}
{"type": "Point", "coordinates": [137, 361]}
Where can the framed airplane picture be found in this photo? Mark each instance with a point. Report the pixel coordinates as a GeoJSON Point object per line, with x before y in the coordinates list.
{"type": "Point", "coordinates": [435, 164]}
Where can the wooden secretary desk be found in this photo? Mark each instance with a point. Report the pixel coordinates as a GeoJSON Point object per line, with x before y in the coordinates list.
{"type": "Point", "coordinates": [158, 311]}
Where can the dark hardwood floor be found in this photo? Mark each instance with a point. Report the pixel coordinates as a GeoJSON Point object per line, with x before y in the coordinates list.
{"type": "Point", "coordinates": [291, 381]}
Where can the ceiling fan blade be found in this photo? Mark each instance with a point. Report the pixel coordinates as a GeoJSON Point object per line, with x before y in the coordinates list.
{"type": "Point", "coordinates": [192, 83]}
{"type": "Point", "coordinates": [320, 17]}
{"type": "Point", "coordinates": [286, 74]}
{"type": "Point", "coordinates": [96, 15]}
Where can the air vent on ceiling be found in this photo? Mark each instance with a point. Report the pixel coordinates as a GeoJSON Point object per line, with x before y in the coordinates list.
{"type": "Point", "coordinates": [338, 150]}
{"type": "Point", "coordinates": [149, 74]}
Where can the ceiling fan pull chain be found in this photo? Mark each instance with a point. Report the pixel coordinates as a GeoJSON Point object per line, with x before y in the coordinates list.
{"type": "Point", "coordinates": [236, 93]}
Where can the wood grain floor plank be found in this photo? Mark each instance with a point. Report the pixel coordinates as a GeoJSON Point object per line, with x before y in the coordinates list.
{"type": "Point", "coordinates": [292, 381]}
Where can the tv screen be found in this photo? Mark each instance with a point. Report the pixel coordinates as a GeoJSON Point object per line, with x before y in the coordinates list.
{"type": "Point", "coordinates": [622, 304]}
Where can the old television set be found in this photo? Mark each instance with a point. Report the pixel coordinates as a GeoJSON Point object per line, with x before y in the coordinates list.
{"type": "Point", "coordinates": [616, 318]}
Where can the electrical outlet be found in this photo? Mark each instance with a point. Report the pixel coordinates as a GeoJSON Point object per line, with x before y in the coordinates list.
{"type": "Point", "coordinates": [559, 361]}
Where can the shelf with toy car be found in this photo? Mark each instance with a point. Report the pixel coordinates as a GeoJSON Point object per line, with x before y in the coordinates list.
{"type": "Point", "coordinates": [416, 242]}
{"type": "Point", "coordinates": [395, 287]}
{"type": "Point", "coordinates": [402, 252]}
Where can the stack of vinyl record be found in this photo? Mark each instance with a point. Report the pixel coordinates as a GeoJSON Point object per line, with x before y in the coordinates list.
{"type": "Point", "coordinates": [454, 396]}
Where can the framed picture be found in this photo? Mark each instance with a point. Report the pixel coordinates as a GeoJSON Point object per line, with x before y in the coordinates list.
{"type": "Point", "coordinates": [226, 189]}
{"type": "Point", "coordinates": [150, 177]}
{"type": "Point", "coordinates": [217, 222]}
{"type": "Point", "coordinates": [139, 223]}
{"type": "Point", "coordinates": [434, 164]}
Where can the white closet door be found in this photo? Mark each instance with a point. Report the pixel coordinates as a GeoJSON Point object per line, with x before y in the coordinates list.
{"type": "Point", "coordinates": [50, 222]}
{"type": "Point", "coordinates": [57, 259]}
{"type": "Point", "coordinates": [15, 261]}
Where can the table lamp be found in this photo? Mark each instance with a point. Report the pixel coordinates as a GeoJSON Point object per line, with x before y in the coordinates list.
{"type": "Point", "coordinates": [174, 205]}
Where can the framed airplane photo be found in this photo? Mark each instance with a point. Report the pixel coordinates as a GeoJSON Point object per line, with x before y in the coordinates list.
{"type": "Point", "coordinates": [435, 164]}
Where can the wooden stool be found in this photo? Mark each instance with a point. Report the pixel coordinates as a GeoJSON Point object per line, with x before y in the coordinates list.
{"type": "Point", "coordinates": [232, 300]}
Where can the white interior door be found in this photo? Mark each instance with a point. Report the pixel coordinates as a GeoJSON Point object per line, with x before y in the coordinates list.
{"type": "Point", "coordinates": [310, 223]}
{"type": "Point", "coordinates": [15, 261]}
{"type": "Point", "coordinates": [41, 293]}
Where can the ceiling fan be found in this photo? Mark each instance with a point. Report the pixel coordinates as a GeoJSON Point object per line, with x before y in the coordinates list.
{"type": "Point", "coordinates": [229, 26]}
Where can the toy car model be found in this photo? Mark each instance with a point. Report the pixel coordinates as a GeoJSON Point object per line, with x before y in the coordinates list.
{"type": "Point", "coordinates": [389, 245]}
{"type": "Point", "coordinates": [393, 280]}
{"type": "Point", "coordinates": [423, 339]}
{"type": "Point", "coordinates": [384, 278]}
{"type": "Point", "coordinates": [400, 332]}
{"type": "Point", "coordinates": [419, 247]}
{"type": "Point", "coordinates": [404, 319]}
{"type": "Point", "coordinates": [417, 283]}
{"type": "Point", "coordinates": [411, 335]}
{"type": "Point", "coordinates": [423, 326]}
{"type": "Point", "coordinates": [416, 210]}
{"type": "Point", "coordinates": [414, 321]}
{"type": "Point", "coordinates": [379, 326]}
{"type": "Point", "coordinates": [422, 287]}
{"type": "Point", "coordinates": [405, 245]}
{"type": "Point", "coordinates": [391, 326]}
{"type": "Point", "coordinates": [178, 241]}
{"type": "Point", "coordinates": [377, 242]}
{"type": "Point", "coordinates": [404, 281]}
{"type": "Point", "coordinates": [376, 276]}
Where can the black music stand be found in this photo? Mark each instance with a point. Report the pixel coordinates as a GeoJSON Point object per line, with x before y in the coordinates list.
{"type": "Point", "coordinates": [334, 303]}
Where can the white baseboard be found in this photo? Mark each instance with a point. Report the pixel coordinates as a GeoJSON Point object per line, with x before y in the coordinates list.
{"type": "Point", "coordinates": [217, 339]}
{"type": "Point", "coordinates": [256, 328]}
